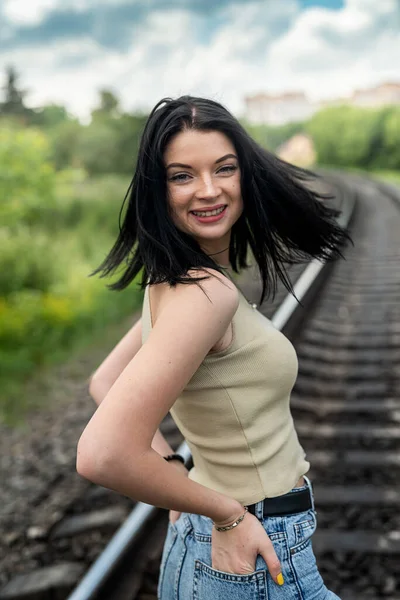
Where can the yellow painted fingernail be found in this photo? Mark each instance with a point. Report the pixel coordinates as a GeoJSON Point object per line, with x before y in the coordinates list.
{"type": "Point", "coordinates": [280, 579]}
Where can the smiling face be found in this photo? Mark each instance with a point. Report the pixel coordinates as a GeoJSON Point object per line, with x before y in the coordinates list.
{"type": "Point", "coordinates": [203, 185]}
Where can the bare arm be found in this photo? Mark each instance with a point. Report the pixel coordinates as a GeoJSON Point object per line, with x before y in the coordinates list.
{"type": "Point", "coordinates": [111, 368]}
{"type": "Point", "coordinates": [115, 450]}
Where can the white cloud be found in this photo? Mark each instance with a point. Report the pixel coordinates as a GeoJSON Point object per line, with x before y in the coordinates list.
{"type": "Point", "coordinates": [26, 12]}
{"type": "Point", "coordinates": [31, 12]}
{"type": "Point", "coordinates": [328, 54]}
{"type": "Point", "coordinates": [270, 46]}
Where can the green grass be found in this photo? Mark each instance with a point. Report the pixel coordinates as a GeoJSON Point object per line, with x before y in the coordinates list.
{"type": "Point", "coordinates": [55, 385]}
{"type": "Point", "coordinates": [385, 175]}
{"type": "Point", "coordinates": [27, 368]}
{"type": "Point", "coordinates": [389, 176]}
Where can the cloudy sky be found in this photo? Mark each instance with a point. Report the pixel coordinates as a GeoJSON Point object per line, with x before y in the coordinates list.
{"type": "Point", "coordinates": [66, 50]}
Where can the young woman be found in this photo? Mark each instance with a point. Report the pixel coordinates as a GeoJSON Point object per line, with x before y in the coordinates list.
{"type": "Point", "coordinates": [203, 195]}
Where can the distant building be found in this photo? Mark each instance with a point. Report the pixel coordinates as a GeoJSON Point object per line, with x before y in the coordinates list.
{"type": "Point", "coordinates": [386, 93]}
{"type": "Point", "coordinates": [295, 106]}
{"type": "Point", "coordinates": [278, 110]}
{"type": "Point", "coordinates": [298, 150]}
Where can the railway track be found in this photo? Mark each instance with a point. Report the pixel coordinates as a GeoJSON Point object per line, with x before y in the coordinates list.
{"type": "Point", "coordinates": [346, 405]}
{"type": "Point", "coordinates": [347, 412]}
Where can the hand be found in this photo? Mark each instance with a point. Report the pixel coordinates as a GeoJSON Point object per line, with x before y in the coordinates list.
{"type": "Point", "coordinates": [235, 551]}
{"type": "Point", "coordinates": [174, 516]}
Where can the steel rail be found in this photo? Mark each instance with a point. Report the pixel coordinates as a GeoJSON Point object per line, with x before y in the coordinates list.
{"type": "Point", "coordinates": [105, 564]}
{"type": "Point", "coordinates": [142, 513]}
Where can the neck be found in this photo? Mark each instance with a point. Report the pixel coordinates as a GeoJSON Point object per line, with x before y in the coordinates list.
{"type": "Point", "coordinates": [219, 252]}
{"type": "Point", "coordinates": [221, 258]}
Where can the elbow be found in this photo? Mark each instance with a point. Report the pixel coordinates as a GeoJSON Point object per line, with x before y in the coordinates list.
{"type": "Point", "coordinates": [91, 384]}
{"type": "Point", "coordinates": [100, 461]}
{"type": "Point", "coordinates": [98, 388]}
{"type": "Point", "coordinates": [90, 464]}
{"type": "Point", "coordinates": [84, 463]}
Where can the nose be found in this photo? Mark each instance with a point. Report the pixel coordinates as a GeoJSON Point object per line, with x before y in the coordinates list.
{"type": "Point", "coordinates": [207, 188]}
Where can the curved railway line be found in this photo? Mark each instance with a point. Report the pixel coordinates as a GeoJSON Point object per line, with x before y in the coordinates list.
{"type": "Point", "coordinates": [346, 407]}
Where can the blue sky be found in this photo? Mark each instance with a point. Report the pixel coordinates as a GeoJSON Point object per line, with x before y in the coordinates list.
{"type": "Point", "coordinates": [66, 50]}
{"type": "Point", "coordinates": [331, 4]}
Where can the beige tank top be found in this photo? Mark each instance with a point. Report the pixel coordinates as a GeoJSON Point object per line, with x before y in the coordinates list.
{"type": "Point", "coordinates": [235, 411]}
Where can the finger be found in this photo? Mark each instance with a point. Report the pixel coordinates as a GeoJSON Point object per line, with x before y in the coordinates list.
{"type": "Point", "coordinates": [273, 563]}
{"type": "Point", "coordinates": [174, 516]}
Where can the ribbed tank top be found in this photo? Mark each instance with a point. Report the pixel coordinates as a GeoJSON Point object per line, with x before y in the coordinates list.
{"type": "Point", "coordinates": [234, 413]}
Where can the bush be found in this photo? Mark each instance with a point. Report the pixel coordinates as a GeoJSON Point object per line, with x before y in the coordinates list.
{"type": "Point", "coordinates": [26, 177]}
{"type": "Point", "coordinates": [390, 158]}
{"type": "Point", "coordinates": [55, 229]}
{"type": "Point", "coordinates": [110, 145]}
{"type": "Point", "coordinates": [348, 136]}
{"type": "Point", "coordinates": [271, 137]}
{"type": "Point", "coordinates": [27, 260]}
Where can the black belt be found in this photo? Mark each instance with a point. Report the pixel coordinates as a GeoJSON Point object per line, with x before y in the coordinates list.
{"type": "Point", "coordinates": [290, 503]}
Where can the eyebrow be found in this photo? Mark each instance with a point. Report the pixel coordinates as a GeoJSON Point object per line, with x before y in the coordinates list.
{"type": "Point", "coordinates": [189, 167]}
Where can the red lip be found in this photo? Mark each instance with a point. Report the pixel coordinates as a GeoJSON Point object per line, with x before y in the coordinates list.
{"type": "Point", "coordinates": [208, 208]}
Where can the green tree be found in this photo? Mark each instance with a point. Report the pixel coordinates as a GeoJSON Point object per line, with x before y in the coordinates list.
{"type": "Point", "coordinates": [390, 157]}
{"type": "Point", "coordinates": [128, 130]}
{"type": "Point", "coordinates": [65, 139]}
{"type": "Point", "coordinates": [108, 106]}
{"type": "Point", "coordinates": [97, 148]}
{"type": "Point", "coordinates": [110, 145]}
{"type": "Point", "coordinates": [49, 115]}
{"type": "Point", "coordinates": [26, 177]}
{"type": "Point", "coordinates": [270, 136]}
{"type": "Point", "coordinates": [13, 103]}
{"type": "Point", "coordinates": [346, 135]}
{"type": "Point", "coordinates": [28, 200]}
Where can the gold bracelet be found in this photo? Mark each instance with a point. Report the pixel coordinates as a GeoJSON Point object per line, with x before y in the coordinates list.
{"type": "Point", "coordinates": [235, 524]}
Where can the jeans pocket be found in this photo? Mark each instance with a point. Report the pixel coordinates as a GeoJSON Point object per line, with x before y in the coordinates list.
{"type": "Point", "coordinates": [211, 584]}
{"type": "Point", "coordinates": [303, 531]}
{"type": "Point", "coordinates": [302, 559]}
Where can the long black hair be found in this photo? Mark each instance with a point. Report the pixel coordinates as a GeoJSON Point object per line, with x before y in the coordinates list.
{"type": "Point", "coordinates": [283, 221]}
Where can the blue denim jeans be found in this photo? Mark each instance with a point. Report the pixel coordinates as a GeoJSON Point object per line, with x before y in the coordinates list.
{"type": "Point", "coordinates": [186, 572]}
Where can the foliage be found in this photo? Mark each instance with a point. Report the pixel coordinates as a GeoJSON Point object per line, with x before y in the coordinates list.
{"type": "Point", "coordinates": [62, 184]}
{"type": "Point", "coordinates": [391, 139]}
{"type": "Point", "coordinates": [109, 144]}
{"type": "Point", "coordinates": [26, 260]}
{"type": "Point", "coordinates": [386, 175]}
{"type": "Point", "coordinates": [55, 229]}
{"type": "Point", "coordinates": [344, 136]}
{"type": "Point", "coordinates": [26, 177]}
{"type": "Point", "coordinates": [348, 136]}
{"type": "Point", "coordinates": [272, 137]}
{"type": "Point", "coordinates": [13, 103]}
{"type": "Point", "coordinates": [65, 139]}
{"type": "Point", "coordinates": [108, 105]}
{"type": "Point", "coordinates": [49, 116]}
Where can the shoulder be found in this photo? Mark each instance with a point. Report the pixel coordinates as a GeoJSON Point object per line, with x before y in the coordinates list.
{"type": "Point", "coordinates": [215, 297]}
{"type": "Point", "coordinates": [214, 289]}
{"type": "Point", "coordinates": [216, 285]}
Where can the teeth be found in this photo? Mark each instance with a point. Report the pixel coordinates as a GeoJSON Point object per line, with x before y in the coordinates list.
{"type": "Point", "coordinates": [209, 213]}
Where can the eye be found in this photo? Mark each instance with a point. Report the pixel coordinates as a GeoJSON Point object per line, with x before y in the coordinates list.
{"type": "Point", "coordinates": [179, 177]}
{"type": "Point", "coordinates": [228, 169]}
